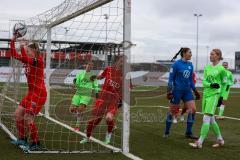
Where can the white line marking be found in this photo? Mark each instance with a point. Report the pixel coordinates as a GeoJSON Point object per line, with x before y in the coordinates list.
{"type": "Point", "coordinates": [115, 149]}
{"type": "Point", "coordinates": [226, 117]}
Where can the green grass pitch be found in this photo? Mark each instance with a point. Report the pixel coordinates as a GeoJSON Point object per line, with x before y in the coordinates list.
{"type": "Point", "coordinates": [147, 126]}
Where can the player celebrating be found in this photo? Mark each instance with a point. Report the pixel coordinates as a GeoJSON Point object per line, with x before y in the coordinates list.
{"type": "Point", "coordinates": [223, 99]}
{"type": "Point", "coordinates": [108, 101]}
{"type": "Point", "coordinates": [32, 103]}
{"type": "Point", "coordinates": [85, 87]}
{"type": "Point", "coordinates": [214, 82]}
{"type": "Point", "coordinates": [180, 86]}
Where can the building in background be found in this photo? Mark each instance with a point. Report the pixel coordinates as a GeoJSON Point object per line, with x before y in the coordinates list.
{"type": "Point", "coordinates": [237, 61]}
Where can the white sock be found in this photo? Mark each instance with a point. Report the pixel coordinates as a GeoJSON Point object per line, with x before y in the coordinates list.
{"type": "Point", "coordinates": [221, 107]}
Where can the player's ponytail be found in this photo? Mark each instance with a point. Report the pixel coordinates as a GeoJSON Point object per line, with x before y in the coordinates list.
{"type": "Point", "coordinates": [181, 51]}
{"type": "Point", "coordinates": [176, 55]}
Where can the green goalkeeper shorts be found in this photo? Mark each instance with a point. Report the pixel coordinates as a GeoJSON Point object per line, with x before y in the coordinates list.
{"type": "Point", "coordinates": [209, 104]}
{"type": "Point", "coordinates": [77, 100]}
{"type": "Point", "coordinates": [225, 95]}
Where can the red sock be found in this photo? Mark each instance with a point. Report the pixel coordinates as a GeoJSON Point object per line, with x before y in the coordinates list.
{"type": "Point", "coordinates": [20, 129]}
{"type": "Point", "coordinates": [110, 125]}
{"type": "Point", "coordinates": [33, 131]}
{"type": "Point", "coordinates": [91, 125]}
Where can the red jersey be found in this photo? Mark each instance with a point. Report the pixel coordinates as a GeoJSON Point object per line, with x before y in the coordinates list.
{"type": "Point", "coordinates": [34, 69]}
{"type": "Point", "coordinates": [194, 77]}
{"type": "Point", "coordinates": [113, 80]}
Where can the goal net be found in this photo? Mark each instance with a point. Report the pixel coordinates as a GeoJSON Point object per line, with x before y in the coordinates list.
{"type": "Point", "coordinates": [71, 35]}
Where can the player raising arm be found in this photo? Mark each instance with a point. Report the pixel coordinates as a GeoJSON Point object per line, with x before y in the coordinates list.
{"type": "Point", "coordinates": [214, 82]}
{"type": "Point", "coordinates": [32, 103]}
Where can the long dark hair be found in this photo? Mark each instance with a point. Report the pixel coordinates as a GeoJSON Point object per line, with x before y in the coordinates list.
{"type": "Point", "coordinates": [181, 51]}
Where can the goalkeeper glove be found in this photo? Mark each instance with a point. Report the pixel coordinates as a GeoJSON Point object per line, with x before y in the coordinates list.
{"type": "Point", "coordinates": [93, 77]}
{"type": "Point", "coordinates": [169, 94]}
{"type": "Point", "coordinates": [227, 88]}
{"type": "Point", "coordinates": [74, 81]}
{"type": "Point", "coordinates": [220, 101]}
{"type": "Point", "coordinates": [215, 85]}
{"type": "Point", "coordinates": [197, 95]}
{"type": "Point", "coordinates": [96, 95]}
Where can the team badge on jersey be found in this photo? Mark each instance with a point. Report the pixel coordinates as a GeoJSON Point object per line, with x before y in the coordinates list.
{"type": "Point", "coordinates": [186, 74]}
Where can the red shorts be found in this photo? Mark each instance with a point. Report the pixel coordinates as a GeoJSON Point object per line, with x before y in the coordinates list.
{"type": "Point", "coordinates": [33, 102]}
{"type": "Point", "coordinates": [106, 103]}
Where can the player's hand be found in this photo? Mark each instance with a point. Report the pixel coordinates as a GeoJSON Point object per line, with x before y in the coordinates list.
{"type": "Point", "coordinates": [92, 78]}
{"type": "Point", "coordinates": [220, 101]}
{"type": "Point", "coordinates": [169, 95]}
{"type": "Point", "coordinates": [215, 85]}
{"type": "Point", "coordinates": [197, 94]}
{"type": "Point", "coordinates": [227, 88]}
{"type": "Point", "coordinates": [14, 37]}
{"type": "Point", "coordinates": [74, 81]}
{"type": "Point", "coordinates": [96, 95]}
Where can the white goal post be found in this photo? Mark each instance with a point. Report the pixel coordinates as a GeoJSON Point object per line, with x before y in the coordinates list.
{"type": "Point", "coordinates": [84, 19]}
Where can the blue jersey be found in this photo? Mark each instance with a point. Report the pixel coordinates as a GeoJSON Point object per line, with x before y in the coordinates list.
{"type": "Point", "coordinates": [180, 77]}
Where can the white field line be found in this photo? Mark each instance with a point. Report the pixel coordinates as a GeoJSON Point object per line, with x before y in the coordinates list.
{"type": "Point", "coordinates": [226, 117]}
{"type": "Point", "coordinates": [115, 149]}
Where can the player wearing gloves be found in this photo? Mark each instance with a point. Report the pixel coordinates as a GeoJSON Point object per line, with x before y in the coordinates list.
{"type": "Point", "coordinates": [180, 87]}
{"type": "Point", "coordinates": [223, 99]}
{"type": "Point", "coordinates": [83, 96]}
{"type": "Point", "coordinates": [214, 83]}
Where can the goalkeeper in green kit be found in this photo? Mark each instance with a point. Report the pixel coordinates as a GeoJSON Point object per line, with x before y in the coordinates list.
{"type": "Point", "coordinates": [222, 100]}
{"type": "Point", "coordinates": [214, 83]}
{"type": "Point", "coordinates": [83, 96]}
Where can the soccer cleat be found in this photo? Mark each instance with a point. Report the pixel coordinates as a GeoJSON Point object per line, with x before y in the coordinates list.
{"type": "Point", "coordinates": [20, 142]}
{"type": "Point", "coordinates": [35, 146]}
{"type": "Point", "coordinates": [85, 140]}
{"type": "Point", "coordinates": [175, 120]}
{"type": "Point", "coordinates": [219, 143]}
{"type": "Point", "coordinates": [191, 136]}
{"type": "Point", "coordinates": [107, 138]}
{"type": "Point", "coordinates": [196, 145]}
{"type": "Point", "coordinates": [182, 118]}
{"type": "Point", "coordinates": [165, 135]}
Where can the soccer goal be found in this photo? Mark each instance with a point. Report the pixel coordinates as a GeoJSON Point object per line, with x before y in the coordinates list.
{"type": "Point", "coordinates": [71, 34]}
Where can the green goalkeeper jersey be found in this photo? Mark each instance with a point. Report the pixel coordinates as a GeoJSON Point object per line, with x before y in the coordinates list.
{"type": "Point", "coordinates": [230, 80]}
{"type": "Point", "coordinates": [84, 85]}
{"type": "Point", "coordinates": [214, 74]}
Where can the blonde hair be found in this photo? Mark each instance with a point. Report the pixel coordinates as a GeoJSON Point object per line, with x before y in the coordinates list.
{"type": "Point", "coordinates": [219, 53]}
{"type": "Point", "coordinates": [35, 46]}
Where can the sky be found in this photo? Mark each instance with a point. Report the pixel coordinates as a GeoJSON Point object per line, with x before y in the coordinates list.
{"type": "Point", "coordinates": [161, 27]}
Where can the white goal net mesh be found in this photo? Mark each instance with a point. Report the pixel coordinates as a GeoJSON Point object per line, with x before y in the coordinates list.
{"type": "Point", "coordinates": [83, 32]}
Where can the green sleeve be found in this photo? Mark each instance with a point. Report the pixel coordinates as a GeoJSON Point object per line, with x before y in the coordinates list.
{"type": "Point", "coordinates": [223, 80]}
{"type": "Point", "coordinates": [231, 80]}
{"type": "Point", "coordinates": [205, 82]}
{"type": "Point", "coordinates": [95, 86]}
{"type": "Point", "coordinates": [78, 79]}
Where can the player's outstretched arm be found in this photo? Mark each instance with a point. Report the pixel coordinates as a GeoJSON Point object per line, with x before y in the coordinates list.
{"type": "Point", "coordinates": [14, 53]}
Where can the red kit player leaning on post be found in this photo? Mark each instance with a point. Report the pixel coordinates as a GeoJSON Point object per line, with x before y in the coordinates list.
{"type": "Point", "coordinates": [108, 99]}
{"type": "Point", "coordinates": [32, 103]}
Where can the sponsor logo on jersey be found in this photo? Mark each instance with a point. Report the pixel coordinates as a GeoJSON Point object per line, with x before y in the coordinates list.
{"type": "Point", "coordinates": [186, 73]}
{"type": "Point", "coordinates": [113, 84]}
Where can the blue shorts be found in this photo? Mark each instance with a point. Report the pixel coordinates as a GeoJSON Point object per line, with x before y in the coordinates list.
{"type": "Point", "coordinates": [184, 95]}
